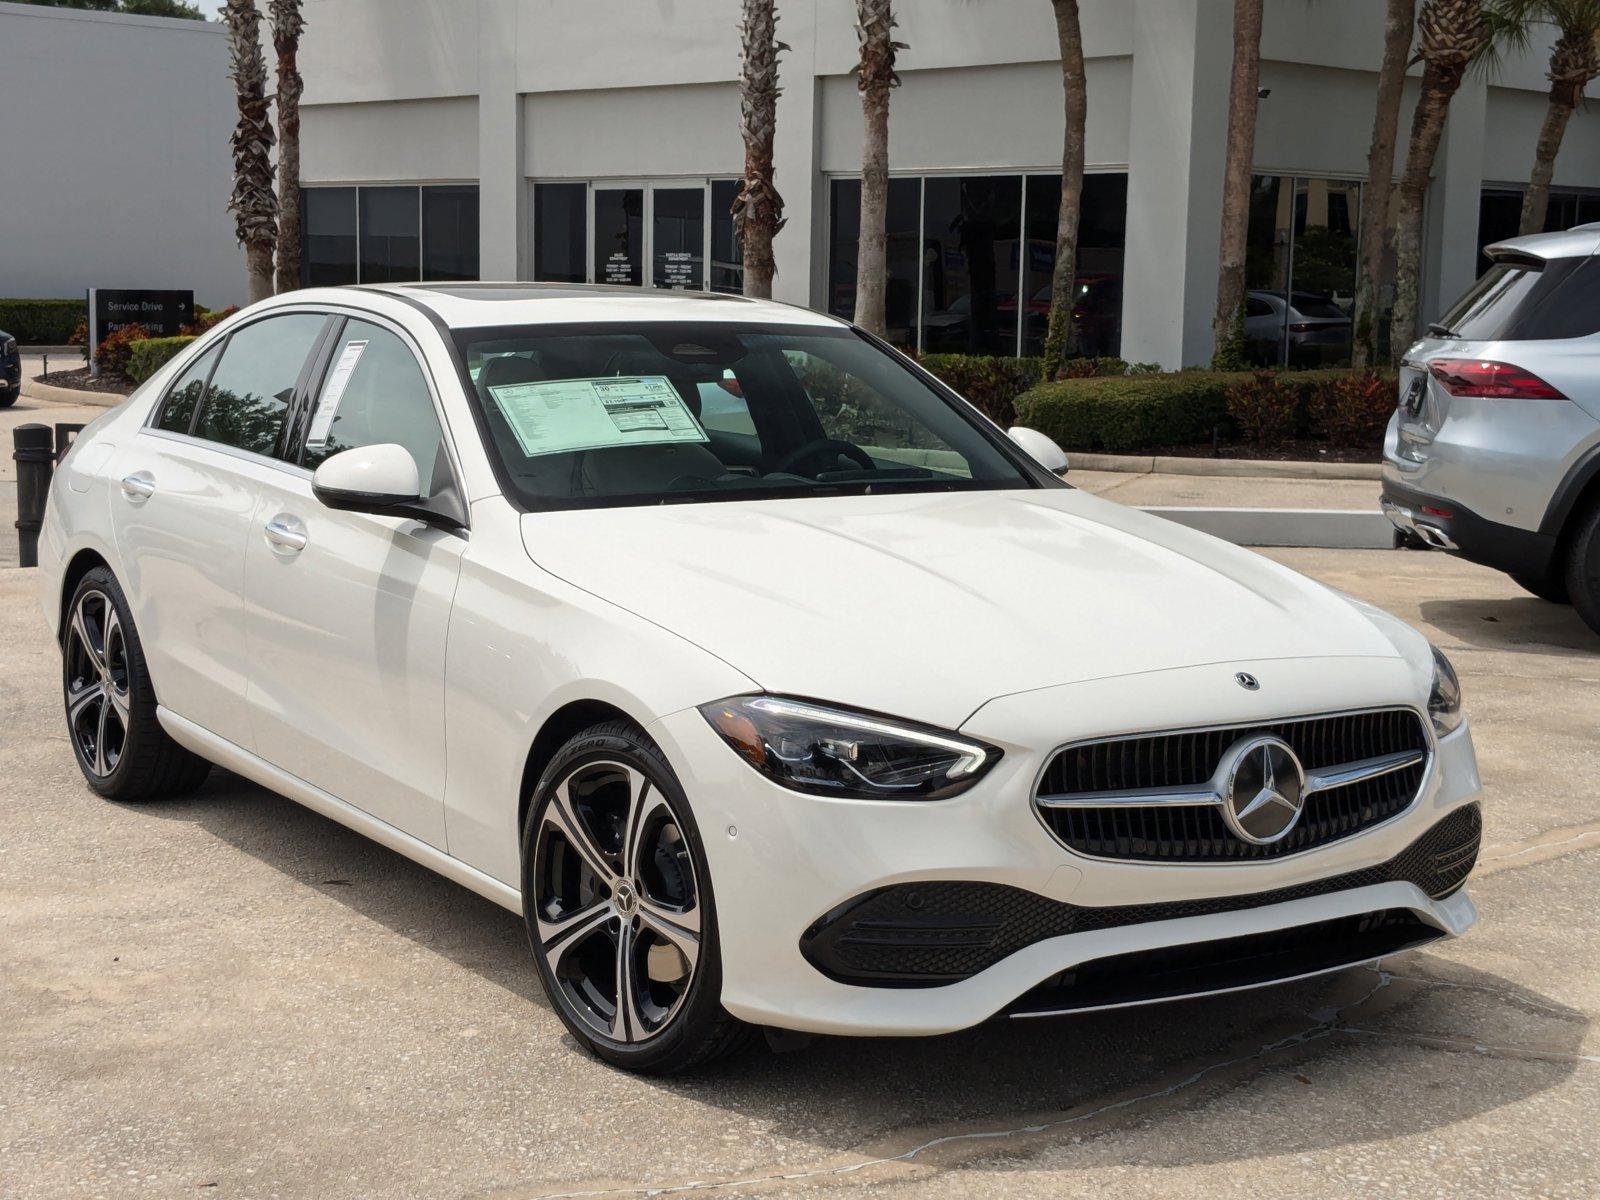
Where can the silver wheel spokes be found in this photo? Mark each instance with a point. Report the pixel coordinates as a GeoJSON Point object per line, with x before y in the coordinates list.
{"type": "Point", "coordinates": [97, 683]}
{"type": "Point", "coordinates": [616, 901]}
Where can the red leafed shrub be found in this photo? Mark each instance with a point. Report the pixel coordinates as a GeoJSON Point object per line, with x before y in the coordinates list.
{"type": "Point", "coordinates": [1264, 408]}
{"type": "Point", "coordinates": [112, 354]}
{"type": "Point", "coordinates": [1353, 410]}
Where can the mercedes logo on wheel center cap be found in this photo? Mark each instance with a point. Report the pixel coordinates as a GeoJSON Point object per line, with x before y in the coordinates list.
{"type": "Point", "coordinates": [1263, 789]}
{"type": "Point", "coordinates": [625, 899]}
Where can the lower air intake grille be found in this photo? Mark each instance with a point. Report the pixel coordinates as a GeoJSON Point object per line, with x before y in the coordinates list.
{"type": "Point", "coordinates": [1187, 760]}
{"type": "Point", "coordinates": [925, 934]}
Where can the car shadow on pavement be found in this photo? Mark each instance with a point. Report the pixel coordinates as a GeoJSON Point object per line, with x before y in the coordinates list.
{"type": "Point", "coordinates": [1518, 624]}
{"type": "Point", "coordinates": [1359, 1056]}
{"type": "Point", "coordinates": [376, 882]}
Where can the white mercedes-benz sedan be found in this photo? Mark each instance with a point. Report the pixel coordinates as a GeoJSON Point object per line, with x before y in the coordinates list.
{"type": "Point", "coordinates": [770, 682]}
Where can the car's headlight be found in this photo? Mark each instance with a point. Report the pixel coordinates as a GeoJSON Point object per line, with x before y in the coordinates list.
{"type": "Point", "coordinates": [835, 752]}
{"type": "Point", "coordinates": [1444, 698]}
{"type": "Point", "coordinates": [9, 346]}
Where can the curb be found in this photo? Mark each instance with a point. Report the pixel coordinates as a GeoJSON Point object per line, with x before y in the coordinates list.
{"type": "Point", "coordinates": [35, 390]}
{"type": "Point", "coordinates": [1166, 464]}
{"type": "Point", "coordinates": [1311, 528]}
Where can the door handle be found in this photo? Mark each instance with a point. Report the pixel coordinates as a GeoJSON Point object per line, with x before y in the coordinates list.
{"type": "Point", "coordinates": [285, 533]}
{"type": "Point", "coordinates": [141, 485]}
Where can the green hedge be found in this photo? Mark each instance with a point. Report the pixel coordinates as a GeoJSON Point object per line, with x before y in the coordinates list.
{"type": "Point", "coordinates": [148, 356]}
{"type": "Point", "coordinates": [991, 383]}
{"type": "Point", "coordinates": [42, 322]}
{"type": "Point", "coordinates": [1173, 409]}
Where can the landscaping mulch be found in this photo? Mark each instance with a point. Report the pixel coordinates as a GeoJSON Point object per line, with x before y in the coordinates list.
{"type": "Point", "coordinates": [1301, 450]}
{"type": "Point", "coordinates": [82, 381]}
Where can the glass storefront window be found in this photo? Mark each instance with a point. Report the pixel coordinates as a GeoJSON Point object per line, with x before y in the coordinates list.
{"type": "Point", "coordinates": [560, 232]}
{"type": "Point", "coordinates": [388, 234]}
{"type": "Point", "coordinates": [902, 221]}
{"type": "Point", "coordinates": [1300, 270]}
{"type": "Point", "coordinates": [727, 255]}
{"type": "Point", "coordinates": [391, 235]}
{"type": "Point", "coordinates": [1097, 273]}
{"type": "Point", "coordinates": [678, 238]}
{"type": "Point", "coordinates": [970, 242]}
{"type": "Point", "coordinates": [327, 236]}
{"type": "Point", "coordinates": [619, 235]}
{"type": "Point", "coordinates": [449, 233]}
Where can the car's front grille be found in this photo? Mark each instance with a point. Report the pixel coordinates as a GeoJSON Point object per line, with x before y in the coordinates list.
{"type": "Point", "coordinates": [923, 934]}
{"type": "Point", "coordinates": [1198, 833]}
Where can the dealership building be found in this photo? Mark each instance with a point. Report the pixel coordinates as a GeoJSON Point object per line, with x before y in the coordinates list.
{"type": "Point", "coordinates": [494, 139]}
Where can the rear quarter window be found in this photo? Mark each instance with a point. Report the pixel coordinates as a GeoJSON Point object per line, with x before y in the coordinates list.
{"type": "Point", "coordinates": [1529, 300]}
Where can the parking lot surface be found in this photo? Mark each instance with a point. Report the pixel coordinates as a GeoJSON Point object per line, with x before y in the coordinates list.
{"type": "Point", "coordinates": [230, 996]}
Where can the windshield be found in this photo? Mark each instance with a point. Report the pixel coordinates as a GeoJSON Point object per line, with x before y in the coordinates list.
{"type": "Point", "coordinates": [595, 415]}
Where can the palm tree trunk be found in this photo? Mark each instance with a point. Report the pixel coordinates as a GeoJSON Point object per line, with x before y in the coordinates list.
{"type": "Point", "coordinates": [1074, 85]}
{"type": "Point", "coordinates": [1242, 102]}
{"type": "Point", "coordinates": [1401, 15]}
{"type": "Point", "coordinates": [1574, 61]}
{"type": "Point", "coordinates": [254, 202]}
{"type": "Point", "coordinates": [1536, 200]}
{"type": "Point", "coordinates": [876, 76]}
{"type": "Point", "coordinates": [287, 25]}
{"type": "Point", "coordinates": [758, 210]}
{"type": "Point", "coordinates": [1440, 82]}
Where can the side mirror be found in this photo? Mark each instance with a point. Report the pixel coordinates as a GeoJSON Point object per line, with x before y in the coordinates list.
{"type": "Point", "coordinates": [379, 479]}
{"type": "Point", "coordinates": [1040, 448]}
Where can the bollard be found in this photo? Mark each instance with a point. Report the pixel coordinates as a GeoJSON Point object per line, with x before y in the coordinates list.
{"type": "Point", "coordinates": [35, 458]}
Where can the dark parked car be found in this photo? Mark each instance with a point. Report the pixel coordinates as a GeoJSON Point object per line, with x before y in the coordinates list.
{"type": "Point", "coordinates": [10, 370]}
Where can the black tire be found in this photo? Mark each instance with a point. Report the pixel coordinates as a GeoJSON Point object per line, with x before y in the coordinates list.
{"type": "Point", "coordinates": [8, 398]}
{"type": "Point", "coordinates": [1583, 567]}
{"type": "Point", "coordinates": [108, 685]}
{"type": "Point", "coordinates": [559, 886]}
{"type": "Point", "coordinates": [1551, 586]}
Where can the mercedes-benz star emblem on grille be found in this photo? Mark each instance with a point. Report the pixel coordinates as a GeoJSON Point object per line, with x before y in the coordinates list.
{"type": "Point", "coordinates": [1264, 789]}
{"type": "Point", "coordinates": [1247, 681]}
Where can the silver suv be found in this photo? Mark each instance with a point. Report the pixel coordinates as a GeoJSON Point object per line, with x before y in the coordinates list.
{"type": "Point", "coordinates": [1494, 452]}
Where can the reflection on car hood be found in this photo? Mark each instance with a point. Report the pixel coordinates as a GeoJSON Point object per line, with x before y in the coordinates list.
{"type": "Point", "coordinates": [928, 605]}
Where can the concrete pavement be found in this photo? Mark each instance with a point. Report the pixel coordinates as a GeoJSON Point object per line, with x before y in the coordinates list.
{"type": "Point", "coordinates": [27, 409]}
{"type": "Point", "coordinates": [230, 996]}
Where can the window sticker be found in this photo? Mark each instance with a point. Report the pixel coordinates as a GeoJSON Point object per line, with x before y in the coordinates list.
{"type": "Point", "coordinates": [332, 393]}
{"type": "Point", "coordinates": [593, 414]}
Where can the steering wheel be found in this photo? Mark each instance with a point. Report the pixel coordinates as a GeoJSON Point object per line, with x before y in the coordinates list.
{"type": "Point", "coordinates": [824, 445]}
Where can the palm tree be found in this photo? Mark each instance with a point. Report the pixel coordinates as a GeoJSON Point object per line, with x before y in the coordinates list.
{"type": "Point", "coordinates": [1076, 88]}
{"type": "Point", "coordinates": [758, 210]}
{"type": "Point", "coordinates": [254, 203]}
{"type": "Point", "coordinates": [1574, 61]}
{"type": "Point", "coordinates": [1243, 87]}
{"type": "Point", "coordinates": [1452, 36]}
{"type": "Point", "coordinates": [1401, 15]}
{"type": "Point", "coordinates": [875, 77]}
{"type": "Point", "coordinates": [287, 25]}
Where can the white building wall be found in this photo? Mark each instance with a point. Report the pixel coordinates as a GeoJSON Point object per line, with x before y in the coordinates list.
{"type": "Point", "coordinates": [116, 170]}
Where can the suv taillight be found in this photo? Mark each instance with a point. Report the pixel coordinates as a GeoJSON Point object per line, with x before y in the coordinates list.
{"type": "Point", "coordinates": [1474, 377]}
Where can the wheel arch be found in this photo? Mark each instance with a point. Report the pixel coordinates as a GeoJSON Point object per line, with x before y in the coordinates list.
{"type": "Point", "coordinates": [559, 728]}
{"type": "Point", "coordinates": [1577, 491]}
{"type": "Point", "coordinates": [79, 565]}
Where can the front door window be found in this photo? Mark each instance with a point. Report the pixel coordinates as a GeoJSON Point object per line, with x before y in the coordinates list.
{"type": "Point", "coordinates": [646, 234]}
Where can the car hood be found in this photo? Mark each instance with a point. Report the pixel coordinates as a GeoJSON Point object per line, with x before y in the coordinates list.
{"type": "Point", "coordinates": [927, 606]}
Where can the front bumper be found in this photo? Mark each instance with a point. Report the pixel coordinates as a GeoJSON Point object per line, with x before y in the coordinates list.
{"type": "Point", "coordinates": [782, 862]}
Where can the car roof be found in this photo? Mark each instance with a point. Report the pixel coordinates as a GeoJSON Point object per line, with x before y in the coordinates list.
{"type": "Point", "coordinates": [1577, 242]}
{"type": "Point", "coordinates": [483, 305]}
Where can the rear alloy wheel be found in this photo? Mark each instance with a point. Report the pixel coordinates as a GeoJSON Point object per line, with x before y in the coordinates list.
{"type": "Point", "coordinates": [1551, 586]}
{"type": "Point", "coordinates": [111, 706]}
{"type": "Point", "coordinates": [618, 906]}
{"type": "Point", "coordinates": [1583, 568]}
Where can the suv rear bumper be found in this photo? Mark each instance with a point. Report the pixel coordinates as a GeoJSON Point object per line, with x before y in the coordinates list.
{"type": "Point", "coordinates": [1447, 525]}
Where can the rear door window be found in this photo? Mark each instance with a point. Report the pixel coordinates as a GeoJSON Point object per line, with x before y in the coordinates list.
{"type": "Point", "coordinates": [1528, 300]}
{"type": "Point", "coordinates": [251, 389]}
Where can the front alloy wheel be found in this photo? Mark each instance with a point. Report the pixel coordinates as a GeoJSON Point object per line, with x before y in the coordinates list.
{"type": "Point", "coordinates": [618, 907]}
